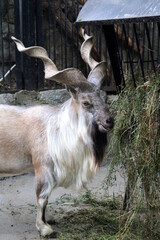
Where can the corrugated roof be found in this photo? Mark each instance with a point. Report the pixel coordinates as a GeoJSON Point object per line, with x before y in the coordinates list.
{"type": "Point", "coordinates": [112, 11]}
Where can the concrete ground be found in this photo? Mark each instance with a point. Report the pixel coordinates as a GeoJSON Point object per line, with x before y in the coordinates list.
{"type": "Point", "coordinates": [18, 203]}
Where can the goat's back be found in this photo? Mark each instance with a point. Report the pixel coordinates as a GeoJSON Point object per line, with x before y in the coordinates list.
{"type": "Point", "coordinates": [22, 135]}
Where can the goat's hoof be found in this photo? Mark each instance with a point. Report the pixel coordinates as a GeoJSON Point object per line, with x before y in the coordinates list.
{"type": "Point", "coordinates": [46, 230]}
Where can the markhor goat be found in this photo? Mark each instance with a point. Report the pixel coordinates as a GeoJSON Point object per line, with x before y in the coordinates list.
{"type": "Point", "coordinates": [63, 144]}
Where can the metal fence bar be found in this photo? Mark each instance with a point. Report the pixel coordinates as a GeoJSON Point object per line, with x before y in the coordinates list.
{"type": "Point", "coordinates": [77, 33]}
{"type": "Point", "coordinates": [153, 35]}
{"type": "Point", "coordinates": [158, 43]}
{"type": "Point", "coordinates": [61, 32]}
{"type": "Point", "coordinates": [54, 31]}
{"type": "Point", "coordinates": [7, 73]}
{"type": "Point", "coordinates": [53, 25]}
{"type": "Point", "coordinates": [138, 48]}
{"type": "Point", "coordinates": [72, 33]}
{"type": "Point", "coordinates": [96, 38]}
{"type": "Point", "coordinates": [133, 43]}
{"type": "Point", "coordinates": [18, 56]}
{"type": "Point", "coordinates": [113, 50]}
{"type": "Point", "coordinates": [66, 35]}
{"type": "Point", "coordinates": [126, 42]}
{"type": "Point", "coordinates": [129, 56]}
{"type": "Point", "coordinates": [49, 25]}
{"type": "Point", "coordinates": [100, 42]}
{"type": "Point", "coordinates": [121, 45]}
{"type": "Point", "coordinates": [9, 52]}
{"type": "Point", "coordinates": [2, 47]}
{"type": "Point", "coordinates": [144, 42]}
{"type": "Point", "coordinates": [39, 42]}
{"type": "Point", "coordinates": [150, 47]}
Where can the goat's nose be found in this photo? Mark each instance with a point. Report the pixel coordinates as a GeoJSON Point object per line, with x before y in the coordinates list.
{"type": "Point", "coordinates": [110, 122]}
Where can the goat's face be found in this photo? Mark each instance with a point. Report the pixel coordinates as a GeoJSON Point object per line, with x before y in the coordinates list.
{"type": "Point", "coordinates": [94, 103]}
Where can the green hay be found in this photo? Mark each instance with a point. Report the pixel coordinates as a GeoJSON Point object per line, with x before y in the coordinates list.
{"type": "Point", "coordinates": [90, 218]}
{"type": "Point", "coordinates": [135, 143]}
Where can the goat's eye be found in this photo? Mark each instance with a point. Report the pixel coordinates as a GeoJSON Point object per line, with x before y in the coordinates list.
{"type": "Point", "coordinates": [87, 104]}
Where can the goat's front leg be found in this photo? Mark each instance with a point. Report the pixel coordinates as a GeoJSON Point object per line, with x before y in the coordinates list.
{"type": "Point", "coordinates": [44, 186]}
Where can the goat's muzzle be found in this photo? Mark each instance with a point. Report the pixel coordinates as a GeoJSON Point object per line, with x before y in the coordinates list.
{"type": "Point", "coordinates": [107, 125]}
{"type": "Point", "coordinates": [110, 122]}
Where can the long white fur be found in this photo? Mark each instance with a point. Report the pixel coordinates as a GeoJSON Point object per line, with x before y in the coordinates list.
{"type": "Point", "coordinates": [70, 145]}
{"type": "Point", "coordinates": [65, 137]}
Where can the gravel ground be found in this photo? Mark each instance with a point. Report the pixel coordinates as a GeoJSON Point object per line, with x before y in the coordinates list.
{"type": "Point", "coordinates": [18, 203]}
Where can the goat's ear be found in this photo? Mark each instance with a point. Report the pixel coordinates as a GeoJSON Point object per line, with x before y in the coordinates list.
{"type": "Point", "coordinates": [73, 92]}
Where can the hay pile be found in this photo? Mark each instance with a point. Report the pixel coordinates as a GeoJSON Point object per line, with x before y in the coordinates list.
{"type": "Point", "coordinates": [135, 143]}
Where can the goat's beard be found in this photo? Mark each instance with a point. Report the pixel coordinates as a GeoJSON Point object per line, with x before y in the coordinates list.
{"type": "Point", "coordinates": [99, 143]}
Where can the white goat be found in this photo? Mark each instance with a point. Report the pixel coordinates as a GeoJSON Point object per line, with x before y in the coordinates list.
{"type": "Point", "coordinates": [62, 144]}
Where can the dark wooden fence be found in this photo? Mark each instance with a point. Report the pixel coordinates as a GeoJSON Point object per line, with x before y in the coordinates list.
{"type": "Point", "coordinates": [51, 24]}
{"type": "Point", "coordinates": [28, 28]}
